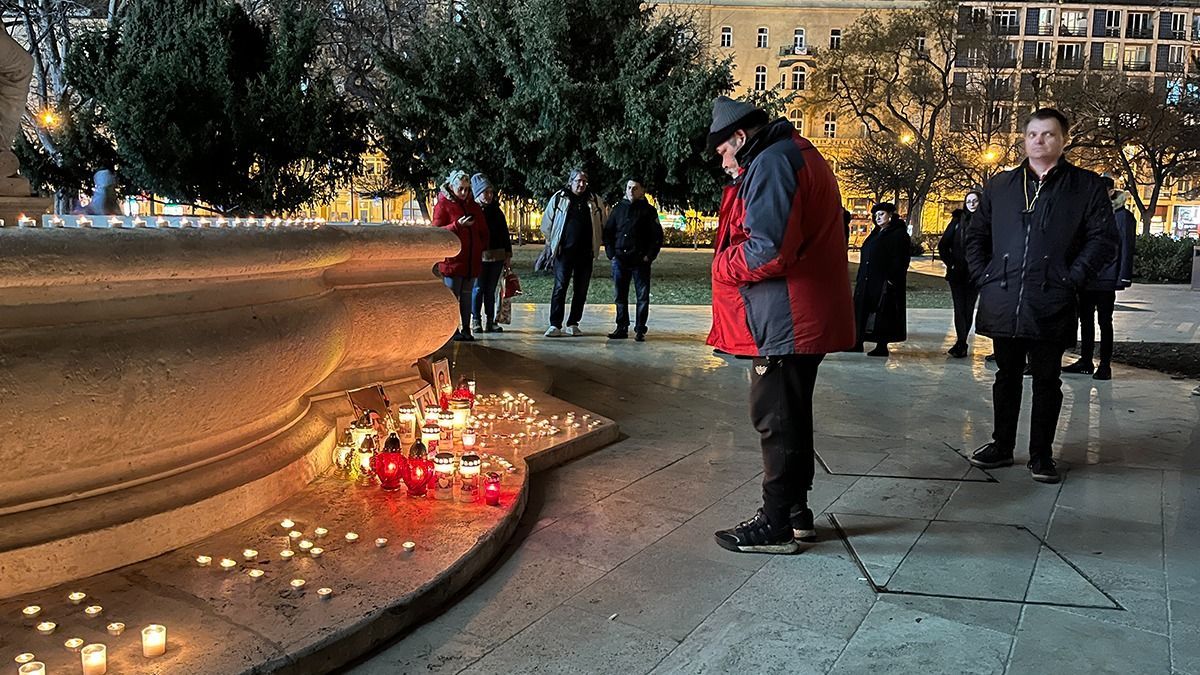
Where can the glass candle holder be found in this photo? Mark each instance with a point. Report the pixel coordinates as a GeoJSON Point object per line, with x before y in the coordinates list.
{"type": "Point", "coordinates": [446, 425]}
{"type": "Point", "coordinates": [390, 465]}
{"type": "Point", "coordinates": [420, 470]}
{"type": "Point", "coordinates": [469, 436]}
{"type": "Point", "coordinates": [406, 417]}
{"type": "Point", "coordinates": [461, 409]}
{"type": "Point", "coordinates": [430, 435]}
{"type": "Point", "coordinates": [443, 467]}
{"type": "Point", "coordinates": [154, 640]}
{"type": "Point", "coordinates": [491, 489]}
{"type": "Point", "coordinates": [468, 481]}
{"type": "Point", "coordinates": [32, 668]}
{"type": "Point", "coordinates": [95, 659]}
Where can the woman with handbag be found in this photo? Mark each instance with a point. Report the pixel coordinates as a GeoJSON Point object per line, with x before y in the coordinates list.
{"type": "Point", "coordinates": [879, 303]}
{"type": "Point", "coordinates": [496, 256]}
{"type": "Point", "coordinates": [458, 213]}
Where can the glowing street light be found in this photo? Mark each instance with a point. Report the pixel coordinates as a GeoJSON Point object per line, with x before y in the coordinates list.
{"type": "Point", "coordinates": [906, 139]}
{"type": "Point", "coordinates": [48, 118]}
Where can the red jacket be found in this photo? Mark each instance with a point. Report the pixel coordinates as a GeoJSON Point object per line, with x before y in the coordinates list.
{"type": "Point", "coordinates": [780, 276]}
{"type": "Point", "coordinates": [472, 238]}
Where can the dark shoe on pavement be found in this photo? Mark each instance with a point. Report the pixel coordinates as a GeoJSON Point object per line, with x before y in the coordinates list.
{"type": "Point", "coordinates": [639, 337]}
{"type": "Point", "coordinates": [992, 456]}
{"type": "Point", "coordinates": [476, 326]}
{"type": "Point", "coordinates": [879, 350]}
{"type": "Point", "coordinates": [990, 357]}
{"type": "Point", "coordinates": [958, 351]}
{"type": "Point", "coordinates": [463, 337]}
{"type": "Point", "coordinates": [494, 328]}
{"type": "Point", "coordinates": [757, 536]}
{"type": "Point", "coordinates": [802, 525]}
{"type": "Point", "coordinates": [1103, 372]}
{"type": "Point", "coordinates": [1042, 470]}
{"type": "Point", "coordinates": [1080, 367]}
{"type": "Point", "coordinates": [618, 334]}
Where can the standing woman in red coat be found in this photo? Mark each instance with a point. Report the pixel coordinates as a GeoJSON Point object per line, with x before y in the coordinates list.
{"type": "Point", "coordinates": [456, 211]}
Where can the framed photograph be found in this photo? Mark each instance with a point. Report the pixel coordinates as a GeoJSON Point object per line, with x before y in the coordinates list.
{"type": "Point", "coordinates": [424, 399]}
{"type": "Point", "coordinates": [425, 368]}
{"type": "Point", "coordinates": [441, 375]}
{"type": "Point", "coordinates": [370, 399]}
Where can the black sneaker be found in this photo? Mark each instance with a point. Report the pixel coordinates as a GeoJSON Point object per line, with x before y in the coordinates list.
{"type": "Point", "coordinates": [1103, 372]}
{"type": "Point", "coordinates": [756, 536]}
{"type": "Point", "coordinates": [639, 337]}
{"type": "Point", "coordinates": [493, 327]}
{"type": "Point", "coordinates": [958, 351]}
{"type": "Point", "coordinates": [618, 334]}
{"type": "Point", "coordinates": [1042, 470]}
{"type": "Point", "coordinates": [992, 456]}
{"type": "Point", "coordinates": [1080, 367]}
{"type": "Point", "coordinates": [803, 528]}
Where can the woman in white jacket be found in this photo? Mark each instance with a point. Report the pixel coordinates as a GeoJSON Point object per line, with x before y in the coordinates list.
{"type": "Point", "coordinates": [572, 225]}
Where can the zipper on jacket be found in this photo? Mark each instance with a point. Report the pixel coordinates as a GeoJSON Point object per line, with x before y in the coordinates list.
{"type": "Point", "coordinates": [1004, 274]}
{"type": "Point", "coordinates": [1024, 265]}
{"type": "Point", "coordinates": [1045, 272]}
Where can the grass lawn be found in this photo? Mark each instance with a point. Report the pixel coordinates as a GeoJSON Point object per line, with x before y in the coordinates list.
{"type": "Point", "coordinates": [681, 277]}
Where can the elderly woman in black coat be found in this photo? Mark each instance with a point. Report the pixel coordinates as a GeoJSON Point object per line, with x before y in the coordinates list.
{"type": "Point", "coordinates": [879, 307]}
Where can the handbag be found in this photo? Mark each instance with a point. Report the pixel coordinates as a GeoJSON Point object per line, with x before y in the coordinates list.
{"type": "Point", "coordinates": [512, 283]}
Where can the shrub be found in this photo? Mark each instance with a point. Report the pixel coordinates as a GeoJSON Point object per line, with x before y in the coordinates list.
{"type": "Point", "coordinates": [1161, 259]}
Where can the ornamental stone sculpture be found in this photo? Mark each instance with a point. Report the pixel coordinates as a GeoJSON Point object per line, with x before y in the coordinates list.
{"type": "Point", "coordinates": [16, 70]}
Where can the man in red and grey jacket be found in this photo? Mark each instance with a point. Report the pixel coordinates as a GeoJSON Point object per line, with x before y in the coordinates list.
{"type": "Point", "coordinates": [781, 295]}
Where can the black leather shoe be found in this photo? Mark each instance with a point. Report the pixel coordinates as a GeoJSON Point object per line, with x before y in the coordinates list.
{"type": "Point", "coordinates": [1103, 372]}
{"type": "Point", "coordinates": [992, 456]}
{"type": "Point", "coordinates": [639, 337]}
{"type": "Point", "coordinates": [618, 334]}
{"type": "Point", "coordinates": [1080, 367]}
{"type": "Point", "coordinates": [1042, 470]}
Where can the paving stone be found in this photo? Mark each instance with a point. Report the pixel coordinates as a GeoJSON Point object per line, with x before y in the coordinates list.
{"type": "Point", "coordinates": [976, 560]}
{"type": "Point", "coordinates": [898, 639]}
{"type": "Point", "coordinates": [606, 533]}
{"type": "Point", "coordinates": [1015, 500]}
{"type": "Point", "coordinates": [665, 591]}
{"type": "Point", "coordinates": [1185, 635]}
{"type": "Point", "coordinates": [895, 497]}
{"type": "Point", "coordinates": [999, 617]}
{"type": "Point", "coordinates": [697, 481]}
{"type": "Point", "coordinates": [734, 641]}
{"type": "Point", "coordinates": [627, 461]}
{"type": "Point", "coordinates": [1084, 535]}
{"type": "Point", "coordinates": [429, 649]}
{"type": "Point", "coordinates": [1056, 581]}
{"type": "Point", "coordinates": [1066, 642]}
{"type": "Point", "coordinates": [570, 640]}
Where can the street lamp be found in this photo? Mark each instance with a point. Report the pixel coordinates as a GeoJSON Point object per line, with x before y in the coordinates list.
{"type": "Point", "coordinates": [48, 119]}
{"type": "Point", "coordinates": [906, 139]}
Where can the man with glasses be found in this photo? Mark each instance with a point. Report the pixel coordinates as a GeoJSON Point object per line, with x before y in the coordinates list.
{"type": "Point", "coordinates": [571, 224]}
{"type": "Point", "coordinates": [1043, 230]}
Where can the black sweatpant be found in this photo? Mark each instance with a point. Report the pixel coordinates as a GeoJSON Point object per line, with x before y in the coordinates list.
{"type": "Point", "coordinates": [1045, 362]}
{"type": "Point", "coordinates": [964, 297]}
{"type": "Point", "coordinates": [1096, 306]}
{"type": "Point", "coordinates": [781, 395]}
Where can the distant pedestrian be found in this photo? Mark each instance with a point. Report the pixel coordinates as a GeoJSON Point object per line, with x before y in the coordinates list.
{"type": "Point", "coordinates": [571, 224]}
{"type": "Point", "coordinates": [952, 249]}
{"type": "Point", "coordinates": [781, 295]}
{"type": "Point", "coordinates": [105, 201]}
{"type": "Point", "coordinates": [1042, 232]}
{"type": "Point", "coordinates": [879, 302]}
{"type": "Point", "coordinates": [633, 238]}
{"type": "Point", "coordinates": [496, 256]}
{"type": "Point", "coordinates": [457, 212]}
{"type": "Point", "coordinates": [1099, 298]}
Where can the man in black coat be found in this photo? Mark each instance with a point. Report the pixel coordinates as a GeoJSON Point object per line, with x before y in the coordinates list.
{"type": "Point", "coordinates": [633, 238]}
{"type": "Point", "coordinates": [1043, 230]}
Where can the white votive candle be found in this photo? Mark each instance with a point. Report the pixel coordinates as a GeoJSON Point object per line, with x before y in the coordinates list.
{"type": "Point", "coordinates": [381, 542]}
{"type": "Point", "coordinates": [316, 551]}
{"type": "Point", "coordinates": [46, 627]}
{"type": "Point", "coordinates": [228, 564]}
{"type": "Point", "coordinates": [249, 554]}
{"type": "Point", "coordinates": [325, 593]}
{"type": "Point", "coordinates": [287, 554]}
{"type": "Point", "coordinates": [76, 597]}
{"type": "Point", "coordinates": [320, 532]}
{"type": "Point", "coordinates": [31, 612]}
{"type": "Point", "coordinates": [154, 640]}
{"type": "Point", "coordinates": [24, 658]}
{"type": "Point", "coordinates": [116, 628]}
{"type": "Point", "coordinates": [255, 574]}
{"type": "Point", "coordinates": [32, 668]}
{"type": "Point", "coordinates": [352, 536]}
{"type": "Point", "coordinates": [204, 560]}
{"type": "Point", "coordinates": [295, 534]}
{"type": "Point", "coordinates": [297, 583]}
{"type": "Point", "coordinates": [305, 544]}
{"type": "Point", "coordinates": [410, 546]}
{"type": "Point", "coordinates": [95, 659]}
{"type": "Point", "coordinates": [93, 611]}
{"type": "Point", "coordinates": [73, 644]}
{"type": "Point", "coordinates": [287, 524]}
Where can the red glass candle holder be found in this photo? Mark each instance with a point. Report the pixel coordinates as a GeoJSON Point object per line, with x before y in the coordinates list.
{"type": "Point", "coordinates": [390, 466]}
{"type": "Point", "coordinates": [420, 470]}
{"type": "Point", "coordinates": [491, 489]}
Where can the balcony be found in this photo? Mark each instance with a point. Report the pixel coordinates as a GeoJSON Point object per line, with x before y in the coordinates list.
{"type": "Point", "coordinates": [1112, 31]}
{"type": "Point", "coordinates": [1106, 64]}
{"type": "Point", "coordinates": [1045, 29]}
{"type": "Point", "coordinates": [1007, 29]}
{"type": "Point", "coordinates": [1176, 35]}
{"type": "Point", "coordinates": [1039, 62]}
{"type": "Point", "coordinates": [793, 50]}
{"type": "Point", "coordinates": [1072, 31]}
{"type": "Point", "coordinates": [1146, 33]}
{"type": "Point", "coordinates": [1137, 66]}
{"type": "Point", "coordinates": [1171, 67]}
{"type": "Point", "coordinates": [1075, 63]}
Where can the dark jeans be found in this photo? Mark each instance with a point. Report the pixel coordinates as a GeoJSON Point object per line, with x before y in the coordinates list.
{"type": "Point", "coordinates": [484, 295]}
{"type": "Point", "coordinates": [461, 287]}
{"type": "Point", "coordinates": [567, 266]}
{"type": "Point", "coordinates": [782, 410]}
{"type": "Point", "coordinates": [640, 273]}
{"type": "Point", "coordinates": [964, 297]}
{"type": "Point", "coordinates": [1097, 304]}
{"type": "Point", "coordinates": [1045, 362]}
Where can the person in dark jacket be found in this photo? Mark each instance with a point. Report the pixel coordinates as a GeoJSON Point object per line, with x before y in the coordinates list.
{"type": "Point", "coordinates": [1098, 299]}
{"type": "Point", "coordinates": [781, 295]}
{"type": "Point", "coordinates": [455, 211]}
{"type": "Point", "coordinates": [1042, 232]}
{"type": "Point", "coordinates": [633, 238]}
{"type": "Point", "coordinates": [952, 249]}
{"type": "Point", "coordinates": [879, 288]}
{"type": "Point", "coordinates": [495, 257]}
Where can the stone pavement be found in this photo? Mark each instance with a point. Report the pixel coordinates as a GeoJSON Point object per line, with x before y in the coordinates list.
{"type": "Point", "coordinates": [924, 564]}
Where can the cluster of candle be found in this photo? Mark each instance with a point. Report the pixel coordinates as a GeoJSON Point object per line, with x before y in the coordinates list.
{"type": "Point", "coordinates": [93, 657]}
{"type": "Point", "coordinates": [165, 222]}
{"type": "Point", "coordinates": [407, 222]}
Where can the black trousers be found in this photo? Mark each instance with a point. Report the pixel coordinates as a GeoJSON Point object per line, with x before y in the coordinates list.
{"type": "Point", "coordinates": [568, 266]}
{"type": "Point", "coordinates": [640, 274]}
{"type": "Point", "coordinates": [964, 297]}
{"type": "Point", "coordinates": [1045, 362]}
{"type": "Point", "coordinates": [781, 395]}
{"type": "Point", "coordinates": [483, 297]}
{"type": "Point", "coordinates": [1096, 306]}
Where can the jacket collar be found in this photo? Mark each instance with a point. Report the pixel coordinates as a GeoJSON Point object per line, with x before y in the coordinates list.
{"type": "Point", "coordinates": [774, 132]}
{"type": "Point", "coordinates": [1027, 170]}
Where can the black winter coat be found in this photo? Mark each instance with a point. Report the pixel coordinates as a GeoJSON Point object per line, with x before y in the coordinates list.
{"type": "Point", "coordinates": [952, 248]}
{"type": "Point", "coordinates": [1118, 273]}
{"type": "Point", "coordinates": [879, 303]}
{"type": "Point", "coordinates": [497, 224]}
{"type": "Point", "coordinates": [633, 232]}
{"type": "Point", "coordinates": [1029, 266]}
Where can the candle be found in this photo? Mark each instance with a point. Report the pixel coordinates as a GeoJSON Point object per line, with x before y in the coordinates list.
{"type": "Point", "coordinates": [32, 668]}
{"type": "Point", "coordinates": [31, 612]}
{"type": "Point", "coordinates": [446, 427]}
{"type": "Point", "coordinates": [297, 583]}
{"type": "Point", "coordinates": [470, 435]}
{"type": "Point", "coordinates": [46, 627]}
{"type": "Point", "coordinates": [287, 524]}
{"type": "Point", "coordinates": [443, 468]}
{"type": "Point", "coordinates": [320, 532]}
{"type": "Point", "coordinates": [316, 551]}
{"type": "Point", "coordinates": [73, 644]}
{"type": "Point", "coordinates": [471, 386]}
{"type": "Point", "coordinates": [115, 222]}
{"type": "Point", "coordinates": [24, 658]}
{"type": "Point", "coordinates": [203, 560]}
{"type": "Point", "coordinates": [249, 554]}
{"type": "Point", "coordinates": [255, 574]}
{"type": "Point", "coordinates": [430, 434]}
{"type": "Point", "coordinates": [95, 659]}
{"type": "Point", "coordinates": [410, 546]}
{"type": "Point", "coordinates": [468, 471]}
{"type": "Point", "coordinates": [305, 545]}
{"type": "Point", "coordinates": [93, 611]}
{"type": "Point", "coordinates": [325, 593]}
{"type": "Point", "coordinates": [381, 542]}
{"type": "Point", "coordinates": [351, 537]}
{"type": "Point", "coordinates": [82, 221]}
{"type": "Point", "coordinates": [407, 427]}
{"type": "Point", "coordinates": [491, 490]}
{"type": "Point", "coordinates": [295, 534]}
{"type": "Point", "coordinates": [287, 554]}
{"type": "Point", "coordinates": [227, 564]}
{"type": "Point", "coordinates": [162, 222]}
{"type": "Point", "coordinates": [154, 640]}
{"type": "Point", "coordinates": [116, 628]}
